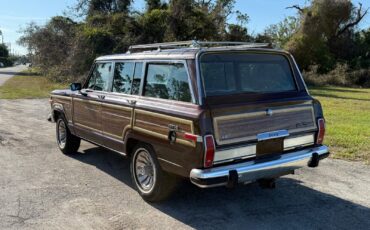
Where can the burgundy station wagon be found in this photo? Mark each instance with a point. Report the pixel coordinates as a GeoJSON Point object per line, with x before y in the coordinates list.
{"type": "Point", "coordinates": [218, 113]}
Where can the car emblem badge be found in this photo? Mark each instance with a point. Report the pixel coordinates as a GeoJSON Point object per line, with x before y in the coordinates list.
{"type": "Point", "coordinates": [269, 112]}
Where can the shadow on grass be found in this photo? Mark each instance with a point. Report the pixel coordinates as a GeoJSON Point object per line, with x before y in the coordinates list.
{"type": "Point", "coordinates": [342, 90]}
{"type": "Point", "coordinates": [339, 97]}
{"type": "Point", "coordinates": [290, 206]}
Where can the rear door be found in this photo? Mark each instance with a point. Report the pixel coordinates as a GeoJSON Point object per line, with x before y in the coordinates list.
{"type": "Point", "coordinates": [166, 112]}
{"type": "Point", "coordinates": [118, 105]}
{"type": "Point", "coordinates": [87, 103]}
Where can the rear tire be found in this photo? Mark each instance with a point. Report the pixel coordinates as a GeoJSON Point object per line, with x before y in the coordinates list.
{"type": "Point", "coordinates": [152, 183]}
{"type": "Point", "coordinates": [67, 142]}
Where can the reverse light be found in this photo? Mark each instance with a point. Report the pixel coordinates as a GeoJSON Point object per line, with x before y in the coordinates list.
{"type": "Point", "coordinates": [209, 151]}
{"type": "Point", "coordinates": [321, 133]}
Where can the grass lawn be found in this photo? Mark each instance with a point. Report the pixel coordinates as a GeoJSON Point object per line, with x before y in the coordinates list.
{"type": "Point", "coordinates": [28, 87]}
{"type": "Point", "coordinates": [347, 113]}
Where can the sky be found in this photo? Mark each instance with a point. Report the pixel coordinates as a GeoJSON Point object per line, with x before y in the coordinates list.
{"type": "Point", "coordinates": [16, 14]}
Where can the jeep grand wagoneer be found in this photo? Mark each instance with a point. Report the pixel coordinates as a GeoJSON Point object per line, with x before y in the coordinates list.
{"type": "Point", "coordinates": [218, 113]}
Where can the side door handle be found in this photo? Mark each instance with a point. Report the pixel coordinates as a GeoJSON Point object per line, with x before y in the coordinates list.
{"type": "Point", "coordinates": [131, 102]}
{"type": "Point", "coordinates": [84, 92]}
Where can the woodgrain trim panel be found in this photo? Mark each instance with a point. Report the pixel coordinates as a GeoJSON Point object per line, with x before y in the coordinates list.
{"type": "Point", "coordinates": [87, 127]}
{"type": "Point", "coordinates": [257, 113]}
{"type": "Point", "coordinates": [123, 108]}
{"type": "Point", "coordinates": [167, 118]}
{"type": "Point", "coordinates": [127, 127]}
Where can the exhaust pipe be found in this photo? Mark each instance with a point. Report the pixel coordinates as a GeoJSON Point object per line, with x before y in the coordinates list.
{"type": "Point", "coordinates": [314, 162]}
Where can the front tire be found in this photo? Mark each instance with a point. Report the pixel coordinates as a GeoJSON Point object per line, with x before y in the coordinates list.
{"type": "Point", "coordinates": [151, 182]}
{"type": "Point", "coordinates": [67, 142]}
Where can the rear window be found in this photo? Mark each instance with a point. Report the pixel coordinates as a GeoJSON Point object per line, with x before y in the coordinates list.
{"type": "Point", "coordinates": [238, 73]}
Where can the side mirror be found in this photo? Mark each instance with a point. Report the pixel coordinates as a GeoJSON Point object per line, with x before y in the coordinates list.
{"type": "Point", "coordinates": [76, 86]}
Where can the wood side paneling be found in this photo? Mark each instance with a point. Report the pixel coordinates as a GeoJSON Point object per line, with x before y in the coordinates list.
{"type": "Point", "coordinates": [116, 119]}
{"type": "Point", "coordinates": [158, 125]}
{"type": "Point", "coordinates": [87, 114]}
{"type": "Point", "coordinates": [66, 103]}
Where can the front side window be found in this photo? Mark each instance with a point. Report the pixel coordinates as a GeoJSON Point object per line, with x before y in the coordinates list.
{"type": "Point", "coordinates": [167, 81]}
{"type": "Point", "coordinates": [99, 79]}
{"type": "Point", "coordinates": [122, 80]}
{"type": "Point", "coordinates": [238, 73]}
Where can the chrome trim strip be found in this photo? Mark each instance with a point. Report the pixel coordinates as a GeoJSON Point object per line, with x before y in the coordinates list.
{"type": "Point", "coordinates": [61, 97]}
{"type": "Point", "coordinates": [253, 170]}
{"type": "Point", "coordinates": [169, 162]}
{"type": "Point", "coordinates": [298, 141]}
{"type": "Point", "coordinates": [235, 153]}
{"type": "Point", "coordinates": [272, 135]}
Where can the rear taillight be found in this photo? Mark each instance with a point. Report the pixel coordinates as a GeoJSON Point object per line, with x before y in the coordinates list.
{"type": "Point", "coordinates": [209, 151]}
{"type": "Point", "coordinates": [321, 133]}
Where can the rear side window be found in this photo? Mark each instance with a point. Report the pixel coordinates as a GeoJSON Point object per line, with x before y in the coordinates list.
{"type": "Point", "coordinates": [238, 73]}
{"type": "Point", "coordinates": [167, 81]}
{"type": "Point", "coordinates": [122, 80]}
{"type": "Point", "coordinates": [99, 80]}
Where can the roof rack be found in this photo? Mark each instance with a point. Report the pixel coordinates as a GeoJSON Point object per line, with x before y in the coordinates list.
{"type": "Point", "coordinates": [194, 44]}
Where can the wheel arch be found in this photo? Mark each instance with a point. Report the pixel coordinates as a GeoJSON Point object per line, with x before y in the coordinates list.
{"type": "Point", "coordinates": [158, 146]}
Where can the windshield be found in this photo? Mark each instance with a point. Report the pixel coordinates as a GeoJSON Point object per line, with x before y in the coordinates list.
{"type": "Point", "coordinates": [237, 73]}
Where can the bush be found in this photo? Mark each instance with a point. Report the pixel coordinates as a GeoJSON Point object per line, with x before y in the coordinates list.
{"type": "Point", "coordinates": [341, 75]}
{"type": "Point", "coordinates": [6, 61]}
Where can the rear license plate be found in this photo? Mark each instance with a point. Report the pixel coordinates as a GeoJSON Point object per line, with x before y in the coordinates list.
{"type": "Point", "coordinates": [270, 147]}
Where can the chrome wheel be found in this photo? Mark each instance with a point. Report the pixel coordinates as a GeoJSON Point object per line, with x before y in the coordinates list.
{"type": "Point", "coordinates": [62, 134]}
{"type": "Point", "coordinates": [144, 170]}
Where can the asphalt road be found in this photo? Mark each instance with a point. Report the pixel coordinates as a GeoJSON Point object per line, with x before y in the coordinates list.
{"type": "Point", "coordinates": [40, 188]}
{"type": "Point", "coordinates": [7, 73]}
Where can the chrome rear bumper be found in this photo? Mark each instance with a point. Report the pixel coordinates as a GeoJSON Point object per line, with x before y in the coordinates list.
{"type": "Point", "coordinates": [258, 169]}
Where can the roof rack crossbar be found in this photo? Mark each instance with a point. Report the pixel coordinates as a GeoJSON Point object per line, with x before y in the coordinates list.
{"type": "Point", "coordinates": [195, 44]}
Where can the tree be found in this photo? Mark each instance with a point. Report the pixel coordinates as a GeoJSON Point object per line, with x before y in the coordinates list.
{"type": "Point", "coordinates": [4, 52]}
{"type": "Point", "coordinates": [91, 7]}
{"type": "Point", "coordinates": [52, 44]}
{"type": "Point", "coordinates": [155, 4]}
{"type": "Point", "coordinates": [325, 33]}
{"type": "Point", "coordinates": [281, 32]}
{"type": "Point", "coordinates": [64, 48]}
